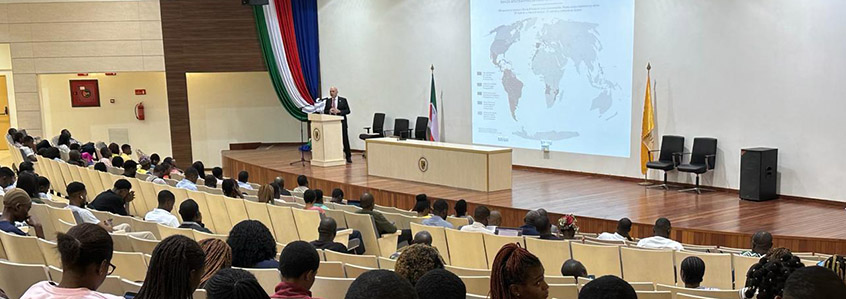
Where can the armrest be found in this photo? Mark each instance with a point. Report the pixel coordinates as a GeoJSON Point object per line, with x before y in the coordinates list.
{"type": "Point", "coordinates": [343, 236]}
{"type": "Point", "coordinates": [707, 161]}
{"type": "Point", "coordinates": [650, 154]}
{"type": "Point", "coordinates": [367, 129]}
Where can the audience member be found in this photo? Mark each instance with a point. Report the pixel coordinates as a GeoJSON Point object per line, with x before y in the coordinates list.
{"type": "Point", "coordinates": [416, 260]}
{"type": "Point", "coordinates": [101, 167]}
{"type": "Point", "coordinates": [302, 184]}
{"type": "Point", "coordinates": [29, 184]}
{"type": "Point", "coordinates": [130, 168]}
{"type": "Point", "coordinates": [173, 168]}
{"type": "Point", "coordinates": [191, 216]}
{"type": "Point", "coordinates": [528, 228]}
{"type": "Point", "coordinates": [158, 174]}
{"type": "Point", "coordinates": [252, 245]}
{"type": "Point", "coordinates": [607, 287]}
{"type": "Point", "coordinates": [115, 200]}
{"type": "Point", "coordinates": [813, 282]}
{"type": "Point", "coordinates": [155, 159]}
{"type": "Point", "coordinates": [77, 199]}
{"type": "Point", "coordinates": [298, 264]}
{"type": "Point", "coordinates": [422, 206]}
{"type": "Point", "coordinates": [567, 227]}
{"type": "Point", "coordinates": [189, 182]}
{"type": "Point", "coordinates": [461, 210]}
{"type": "Point", "coordinates": [161, 214]}
{"type": "Point", "coordinates": [517, 273]}
{"type": "Point", "coordinates": [421, 237]}
{"type": "Point", "coordinates": [265, 194]}
{"type": "Point", "coordinates": [837, 264]}
{"type": "Point", "coordinates": [175, 269]}
{"type": "Point", "coordinates": [230, 189]}
{"type": "Point", "coordinates": [126, 152]}
{"type": "Point", "coordinates": [661, 239]}
{"type": "Point", "coordinates": [7, 179]}
{"type": "Point", "coordinates": [26, 167]}
{"type": "Point", "coordinates": [114, 148]}
{"type": "Point", "coordinates": [210, 181]}
{"type": "Point", "coordinates": [75, 158]}
{"type": "Point", "coordinates": [144, 166]}
{"type": "Point", "coordinates": [16, 205]}
{"type": "Point", "coordinates": [326, 240]}
{"type": "Point", "coordinates": [117, 162]}
{"type": "Point", "coordinates": [495, 220]}
{"type": "Point", "coordinates": [86, 254]}
{"type": "Point", "coordinates": [64, 147]}
{"type": "Point", "coordinates": [691, 271]}
{"type": "Point", "coordinates": [28, 148]}
{"type": "Point", "coordinates": [318, 199]}
{"type": "Point", "coordinates": [624, 226]}
{"type": "Point", "coordinates": [234, 284]}
{"type": "Point", "coordinates": [218, 257]}
{"type": "Point", "coordinates": [544, 228]}
{"type": "Point", "coordinates": [243, 180]}
{"type": "Point", "coordinates": [217, 172]}
{"type": "Point", "coordinates": [337, 196]}
{"type": "Point", "coordinates": [53, 153]}
{"type": "Point", "coordinates": [309, 197]}
{"type": "Point", "coordinates": [439, 212]}
{"type": "Point", "coordinates": [766, 279]}
{"type": "Point", "coordinates": [762, 242]}
{"type": "Point", "coordinates": [200, 167]}
{"type": "Point", "coordinates": [573, 268]}
{"type": "Point", "coordinates": [105, 156]}
{"type": "Point", "coordinates": [383, 226]}
{"type": "Point", "coordinates": [481, 215]}
{"type": "Point", "coordinates": [44, 188]}
{"type": "Point", "coordinates": [381, 284]}
{"type": "Point", "coordinates": [776, 253]}
{"type": "Point", "coordinates": [280, 182]}
{"type": "Point", "coordinates": [440, 284]}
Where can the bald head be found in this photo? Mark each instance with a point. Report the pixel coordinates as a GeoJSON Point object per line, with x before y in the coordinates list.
{"type": "Point", "coordinates": [762, 242]}
{"type": "Point", "coordinates": [327, 228]}
{"type": "Point", "coordinates": [366, 201]}
{"type": "Point", "coordinates": [422, 237]}
{"type": "Point", "coordinates": [333, 91]}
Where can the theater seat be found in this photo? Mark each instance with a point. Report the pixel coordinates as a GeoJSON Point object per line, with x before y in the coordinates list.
{"type": "Point", "coordinates": [702, 159]}
{"type": "Point", "coordinates": [377, 128]}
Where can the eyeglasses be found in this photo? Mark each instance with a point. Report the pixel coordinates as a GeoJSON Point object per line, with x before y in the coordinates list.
{"type": "Point", "coordinates": [112, 268]}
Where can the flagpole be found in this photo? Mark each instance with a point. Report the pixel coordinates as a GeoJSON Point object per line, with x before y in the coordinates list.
{"type": "Point", "coordinates": [648, 85]}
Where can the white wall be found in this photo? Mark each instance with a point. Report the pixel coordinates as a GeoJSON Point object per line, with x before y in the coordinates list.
{"type": "Point", "coordinates": [750, 73]}
{"type": "Point", "coordinates": [238, 107]}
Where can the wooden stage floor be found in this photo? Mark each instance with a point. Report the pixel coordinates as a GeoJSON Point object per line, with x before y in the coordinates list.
{"type": "Point", "coordinates": [713, 218]}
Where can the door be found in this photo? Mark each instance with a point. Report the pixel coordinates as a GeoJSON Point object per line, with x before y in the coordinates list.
{"type": "Point", "coordinates": [4, 113]}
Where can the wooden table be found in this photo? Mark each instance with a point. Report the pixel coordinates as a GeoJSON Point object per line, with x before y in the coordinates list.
{"type": "Point", "coordinates": [474, 167]}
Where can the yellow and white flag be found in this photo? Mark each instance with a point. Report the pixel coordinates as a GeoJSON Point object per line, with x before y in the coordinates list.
{"type": "Point", "coordinates": [647, 140]}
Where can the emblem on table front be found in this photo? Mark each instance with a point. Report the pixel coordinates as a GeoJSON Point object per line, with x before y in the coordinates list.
{"type": "Point", "coordinates": [423, 164]}
{"type": "Point", "coordinates": [315, 134]}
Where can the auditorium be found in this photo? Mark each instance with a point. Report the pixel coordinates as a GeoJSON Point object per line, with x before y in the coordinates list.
{"type": "Point", "coordinates": [408, 149]}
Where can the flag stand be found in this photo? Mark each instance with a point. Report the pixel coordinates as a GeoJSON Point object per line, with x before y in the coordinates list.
{"type": "Point", "coordinates": [645, 182]}
{"type": "Point", "coordinates": [645, 145]}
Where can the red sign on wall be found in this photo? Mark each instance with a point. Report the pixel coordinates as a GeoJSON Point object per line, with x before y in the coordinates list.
{"type": "Point", "coordinates": [84, 93]}
{"type": "Point", "coordinates": [140, 92]}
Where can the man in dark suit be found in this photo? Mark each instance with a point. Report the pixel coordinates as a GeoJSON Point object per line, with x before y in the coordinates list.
{"type": "Point", "coordinates": [336, 105]}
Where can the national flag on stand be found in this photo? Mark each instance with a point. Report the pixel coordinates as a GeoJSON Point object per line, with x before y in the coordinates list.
{"type": "Point", "coordinates": [647, 139]}
{"type": "Point", "coordinates": [434, 129]}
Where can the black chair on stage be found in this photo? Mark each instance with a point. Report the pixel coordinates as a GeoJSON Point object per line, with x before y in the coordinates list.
{"type": "Point", "coordinates": [702, 159]}
{"type": "Point", "coordinates": [400, 129]}
{"type": "Point", "coordinates": [378, 127]}
{"type": "Point", "coordinates": [669, 158]}
{"type": "Point", "coordinates": [421, 127]}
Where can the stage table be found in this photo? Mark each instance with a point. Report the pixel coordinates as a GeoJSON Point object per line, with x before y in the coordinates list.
{"type": "Point", "coordinates": [474, 167]}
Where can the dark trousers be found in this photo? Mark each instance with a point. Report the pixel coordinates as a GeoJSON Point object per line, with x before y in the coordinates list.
{"type": "Point", "coordinates": [357, 235]}
{"type": "Point", "coordinates": [404, 236]}
{"type": "Point", "coordinates": [346, 137]}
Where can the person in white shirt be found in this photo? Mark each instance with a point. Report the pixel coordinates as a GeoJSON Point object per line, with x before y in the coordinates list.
{"type": "Point", "coordinates": [624, 226]}
{"type": "Point", "coordinates": [243, 176]}
{"type": "Point", "coordinates": [158, 173]}
{"type": "Point", "coordinates": [190, 180]}
{"type": "Point", "coordinates": [7, 180]}
{"type": "Point", "coordinates": [28, 148]}
{"type": "Point", "coordinates": [78, 198]}
{"type": "Point", "coordinates": [162, 213]}
{"type": "Point", "coordinates": [302, 184]}
{"type": "Point", "coordinates": [481, 214]}
{"type": "Point", "coordinates": [661, 240]}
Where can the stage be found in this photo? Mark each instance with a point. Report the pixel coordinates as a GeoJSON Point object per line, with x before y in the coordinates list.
{"type": "Point", "coordinates": [712, 218]}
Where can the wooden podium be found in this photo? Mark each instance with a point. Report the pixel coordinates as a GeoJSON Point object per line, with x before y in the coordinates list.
{"type": "Point", "coordinates": [327, 148]}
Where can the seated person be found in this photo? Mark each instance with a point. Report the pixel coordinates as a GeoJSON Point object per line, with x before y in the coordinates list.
{"type": "Point", "coordinates": [481, 215]}
{"type": "Point", "coordinates": [762, 242]}
{"type": "Point", "coordinates": [218, 257]}
{"type": "Point", "coordinates": [567, 227]}
{"type": "Point", "coordinates": [608, 286]}
{"type": "Point", "coordinates": [190, 180]}
{"type": "Point", "coordinates": [421, 237]}
{"type": "Point", "coordinates": [381, 284]}
{"type": "Point", "coordinates": [217, 172]}
{"type": "Point", "coordinates": [661, 240]}
{"type": "Point", "coordinates": [383, 226]}
{"type": "Point", "coordinates": [439, 213]}
{"type": "Point", "coordinates": [7, 179]}
{"type": "Point", "coordinates": [766, 279]}
{"type": "Point", "coordinates": [529, 221]}
{"type": "Point", "coordinates": [161, 214]}
{"type": "Point", "coordinates": [573, 268]}
{"type": "Point", "coordinates": [210, 181]}
{"type": "Point", "coordinates": [252, 245]}
{"type": "Point", "coordinates": [691, 271]}
{"type": "Point", "coordinates": [280, 183]}
{"type": "Point", "coordinates": [544, 228]}
{"type": "Point", "coordinates": [234, 283]}
{"type": "Point", "coordinates": [318, 199]}
{"type": "Point", "coordinates": [416, 260]}
{"type": "Point", "coordinates": [495, 220]}
{"type": "Point", "coordinates": [243, 178]}
{"type": "Point", "coordinates": [116, 199]}
{"type": "Point", "coordinates": [298, 264]}
{"type": "Point", "coordinates": [175, 269]}
{"type": "Point", "coordinates": [130, 168]}
{"type": "Point", "coordinates": [624, 227]}
{"type": "Point", "coordinates": [461, 210]}
{"type": "Point", "coordinates": [519, 272]}
{"type": "Point", "coordinates": [440, 284]}
{"type": "Point", "coordinates": [230, 189]}
{"type": "Point", "coordinates": [117, 162]}
{"type": "Point", "coordinates": [16, 206]}
{"type": "Point", "coordinates": [326, 240]}
{"type": "Point", "coordinates": [422, 206]}
{"type": "Point", "coordinates": [78, 198]}
{"type": "Point", "coordinates": [309, 197]}
{"type": "Point", "coordinates": [126, 152]}
{"type": "Point", "coordinates": [44, 188]}
{"type": "Point", "coordinates": [814, 282]}
{"type": "Point", "coordinates": [158, 174]}
{"type": "Point", "coordinates": [302, 184]}
{"type": "Point", "coordinates": [191, 216]}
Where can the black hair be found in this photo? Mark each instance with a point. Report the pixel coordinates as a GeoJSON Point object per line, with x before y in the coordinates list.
{"type": "Point", "coordinates": [43, 181]}
{"type": "Point", "coordinates": [309, 196]}
{"type": "Point", "coordinates": [169, 272]}
{"type": "Point", "coordinates": [114, 148]}
{"type": "Point", "coordinates": [692, 270]}
{"type": "Point", "coordinates": [421, 197]}
{"type": "Point", "coordinates": [105, 152]}
{"type": "Point", "coordinates": [200, 167]}
{"type": "Point", "coordinates": [231, 283]}
{"type": "Point", "coordinates": [189, 209]}
{"type": "Point", "coordinates": [169, 160]}
{"type": "Point", "coordinates": [573, 268]}
{"type": "Point", "coordinates": [125, 146]}
{"type": "Point", "coordinates": [421, 205]}
{"type": "Point", "coordinates": [229, 187]}
{"type": "Point", "coordinates": [28, 183]}
{"type": "Point", "coordinates": [52, 153]}
{"type": "Point", "coordinates": [243, 176]}
{"type": "Point", "coordinates": [767, 277]}
{"type": "Point", "coordinates": [625, 226]}
{"type": "Point", "coordinates": [607, 286]}
{"type": "Point", "coordinates": [75, 187]}
{"type": "Point", "coordinates": [381, 284]}
{"type": "Point", "coordinates": [64, 139]}
{"type": "Point", "coordinates": [460, 208]}
{"type": "Point", "coordinates": [130, 165]}
{"type": "Point", "coordinates": [337, 193]}
{"type": "Point", "coordinates": [6, 172]}
{"type": "Point", "coordinates": [251, 242]}
{"type": "Point", "coordinates": [42, 145]}
{"type": "Point", "coordinates": [440, 284]}
{"type": "Point", "coordinates": [813, 282]}
{"type": "Point", "coordinates": [122, 184]}
{"type": "Point", "coordinates": [17, 137]}
{"type": "Point", "coordinates": [318, 196]}
{"type": "Point", "coordinates": [74, 147]}
{"type": "Point", "coordinates": [217, 172]}
{"type": "Point", "coordinates": [25, 166]}
{"type": "Point", "coordinates": [83, 245]}
{"type": "Point", "coordinates": [117, 162]}
{"type": "Point", "coordinates": [166, 196]}
{"type": "Point", "coordinates": [161, 168]}
{"type": "Point", "coordinates": [302, 180]}
{"type": "Point", "coordinates": [191, 171]}
{"type": "Point", "coordinates": [439, 206]}
{"type": "Point", "coordinates": [155, 159]}
{"type": "Point", "coordinates": [100, 166]}
{"type": "Point", "coordinates": [298, 257]}
{"type": "Point", "coordinates": [836, 263]}
{"type": "Point", "coordinates": [27, 139]}
{"type": "Point", "coordinates": [481, 212]}
{"type": "Point", "coordinates": [210, 181]}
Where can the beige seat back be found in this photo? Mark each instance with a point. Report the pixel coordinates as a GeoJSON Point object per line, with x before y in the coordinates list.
{"type": "Point", "coordinates": [718, 272]}
{"type": "Point", "coordinates": [600, 259]}
{"type": "Point", "coordinates": [167, 231]}
{"type": "Point", "coordinates": [654, 295]}
{"type": "Point", "coordinates": [267, 278]}
{"type": "Point", "coordinates": [648, 265]}
{"type": "Point", "coordinates": [139, 225]}
{"type": "Point", "coordinates": [202, 204]}
{"type": "Point", "coordinates": [143, 245]}
{"type": "Point", "coordinates": [551, 253]}
{"type": "Point", "coordinates": [364, 224]}
{"type": "Point", "coordinates": [458, 222]}
{"type": "Point", "coordinates": [284, 226]}
{"type": "Point", "coordinates": [21, 249]}
{"type": "Point", "coordinates": [354, 271]}
{"type": "Point", "coordinates": [236, 210]}
{"type": "Point", "coordinates": [721, 294]}
{"type": "Point", "coordinates": [112, 285]}
{"type": "Point", "coordinates": [386, 263]}
{"type": "Point", "coordinates": [468, 253]}
{"type": "Point", "coordinates": [331, 269]}
{"type": "Point", "coordinates": [258, 211]}
{"type": "Point", "coordinates": [493, 243]}
{"type": "Point", "coordinates": [460, 271]}
{"type": "Point", "coordinates": [439, 240]}
{"type": "Point", "coordinates": [219, 214]}
{"type": "Point", "coordinates": [329, 287]}
{"type": "Point", "coordinates": [151, 197]}
{"type": "Point", "coordinates": [50, 253]}
{"type": "Point", "coordinates": [564, 291]}
{"type": "Point", "coordinates": [369, 261]}
{"type": "Point", "coordinates": [307, 223]}
{"type": "Point", "coordinates": [199, 236]}
{"type": "Point", "coordinates": [139, 206]}
{"type": "Point", "coordinates": [16, 278]}
{"type": "Point", "coordinates": [478, 285]}
{"type": "Point", "coordinates": [129, 265]}
{"type": "Point", "coordinates": [42, 213]}
{"type": "Point", "coordinates": [741, 265]}
{"type": "Point", "coordinates": [338, 215]}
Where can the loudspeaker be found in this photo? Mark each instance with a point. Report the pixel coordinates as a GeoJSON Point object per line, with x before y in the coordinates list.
{"type": "Point", "coordinates": [254, 2]}
{"type": "Point", "coordinates": [758, 173]}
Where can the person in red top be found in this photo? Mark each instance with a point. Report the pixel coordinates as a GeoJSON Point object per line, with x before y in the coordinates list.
{"type": "Point", "coordinates": [309, 196]}
{"type": "Point", "coordinates": [298, 265]}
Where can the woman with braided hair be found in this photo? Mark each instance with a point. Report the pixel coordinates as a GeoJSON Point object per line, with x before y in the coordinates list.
{"type": "Point", "coordinates": [517, 273]}
{"type": "Point", "coordinates": [765, 280]}
{"type": "Point", "coordinates": [175, 269]}
{"type": "Point", "coordinates": [218, 257]}
{"type": "Point", "coordinates": [837, 264]}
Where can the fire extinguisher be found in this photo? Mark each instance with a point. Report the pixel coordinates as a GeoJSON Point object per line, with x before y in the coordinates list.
{"type": "Point", "coordinates": [139, 111]}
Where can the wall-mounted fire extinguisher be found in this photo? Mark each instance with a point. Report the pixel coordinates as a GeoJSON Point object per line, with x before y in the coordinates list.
{"type": "Point", "coordinates": [139, 111]}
